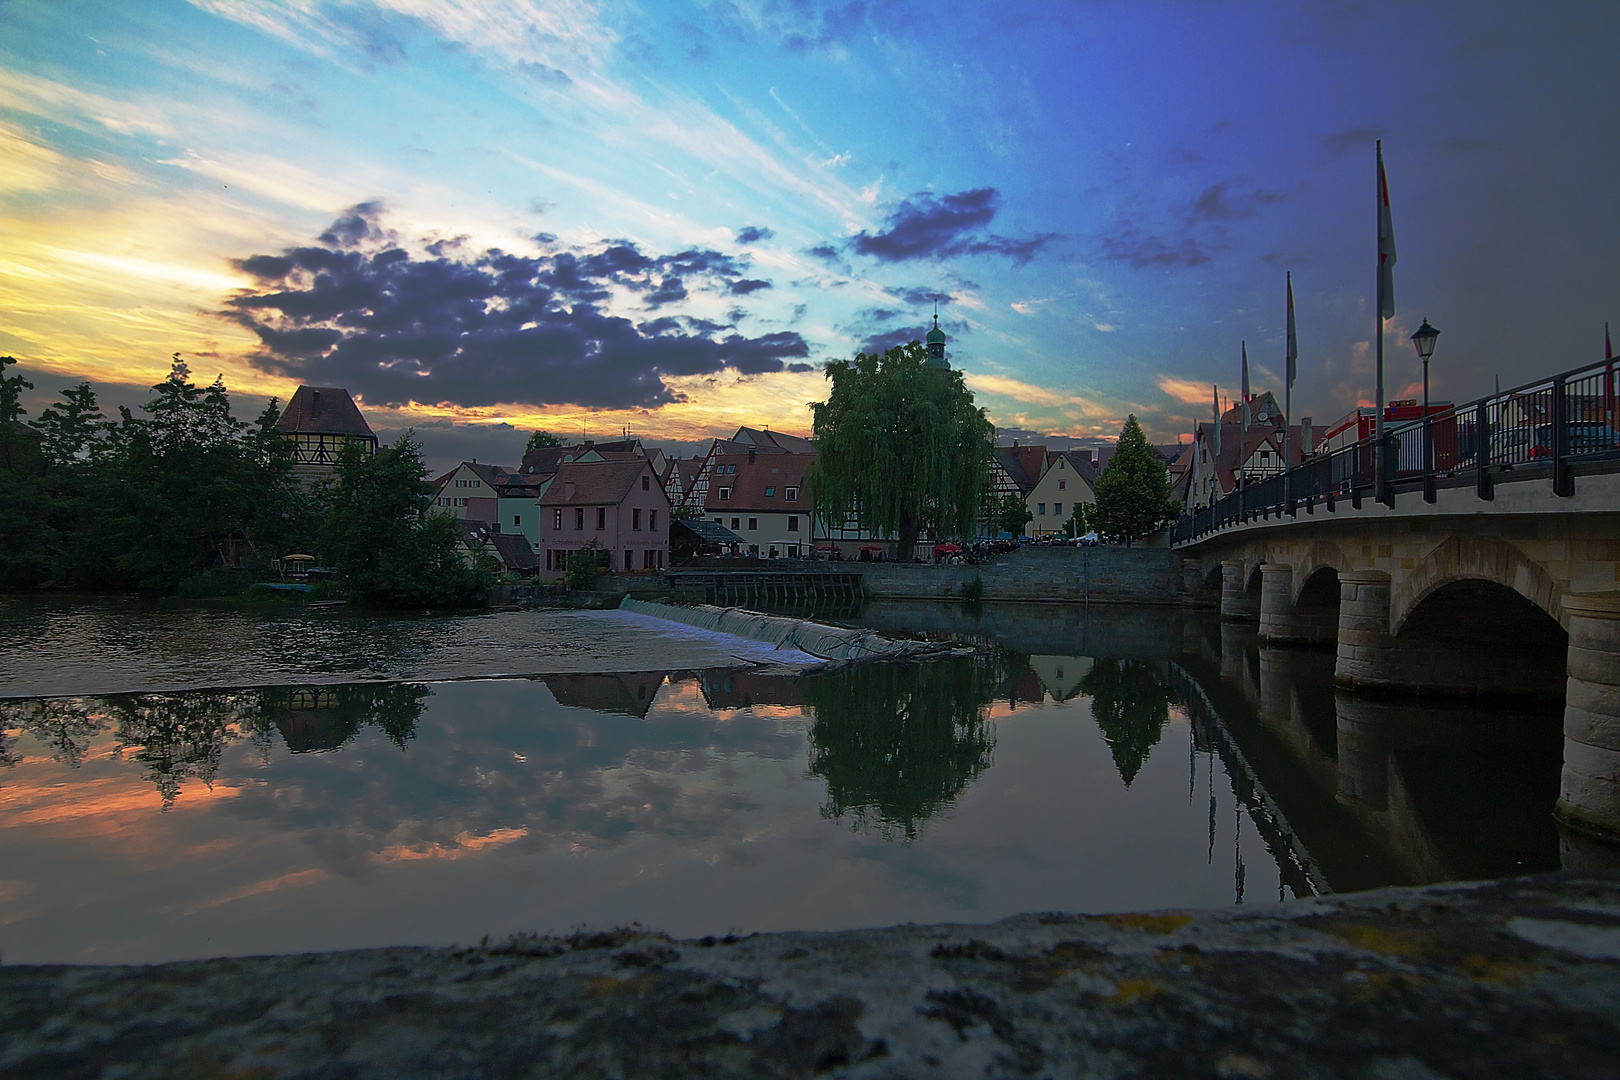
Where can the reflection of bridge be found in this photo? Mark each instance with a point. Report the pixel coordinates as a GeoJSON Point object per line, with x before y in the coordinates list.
{"type": "Point", "coordinates": [1491, 566]}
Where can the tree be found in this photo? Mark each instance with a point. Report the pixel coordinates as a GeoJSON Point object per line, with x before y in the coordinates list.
{"type": "Point", "coordinates": [541, 440]}
{"type": "Point", "coordinates": [1012, 515]}
{"type": "Point", "coordinates": [73, 430]}
{"type": "Point", "coordinates": [19, 444]}
{"type": "Point", "coordinates": [1079, 520]}
{"type": "Point", "coordinates": [584, 564]}
{"type": "Point", "coordinates": [901, 446]}
{"type": "Point", "coordinates": [1133, 492]}
{"type": "Point", "coordinates": [380, 534]}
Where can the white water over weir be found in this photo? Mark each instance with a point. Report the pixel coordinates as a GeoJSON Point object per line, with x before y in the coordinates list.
{"type": "Point", "coordinates": [832, 643]}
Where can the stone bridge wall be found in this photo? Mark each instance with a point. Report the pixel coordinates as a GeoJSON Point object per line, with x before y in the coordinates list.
{"type": "Point", "coordinates": [1136, 575]}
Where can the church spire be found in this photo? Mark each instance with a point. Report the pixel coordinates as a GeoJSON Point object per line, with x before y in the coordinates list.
{"type": "Point", "coordinates": [936, 345]}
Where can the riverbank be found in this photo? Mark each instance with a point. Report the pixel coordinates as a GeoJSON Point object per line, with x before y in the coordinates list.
{"type": "Point", "coordinates": [1511, 978]}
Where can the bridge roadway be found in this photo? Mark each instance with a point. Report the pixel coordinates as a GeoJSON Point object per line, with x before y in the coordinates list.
{"type": "Point", "coordinates": [1516, 595]}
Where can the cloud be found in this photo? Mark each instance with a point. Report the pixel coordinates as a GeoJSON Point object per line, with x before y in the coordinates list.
{"type": "Point", "coordinates": [489, 327]}
{"type": "Point", "coordinates": [1019, 391]}
{"type": "Point", "coordinates": [1153, 251]}
{"type": "Point", "coordinates": [888, 339]}
{"type": "Point", "coordinates": [744, 286]}
{"type": "Point", "coordinates": [927, 227]}
{"type": "Point", "coordinates": [824, 252]}
{"type": "Point", "coordinates": [1219, 203]}
{"type": "Point", "coordinates": [753, 234]}
{"type": "Point", "coordinates": [1340, 143]}
{"type": "Point", "coordinates": [1187, 391]}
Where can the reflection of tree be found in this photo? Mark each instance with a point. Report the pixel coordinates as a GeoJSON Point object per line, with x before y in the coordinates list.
{"type": "Point", "coordinates": [178, 737]}
{"type": "Point", "coordinates": [66, 725]}
{"type": "Point", "coordinates": [898, 741]}
{"type": "Point", "coordinates": [1131, 707]}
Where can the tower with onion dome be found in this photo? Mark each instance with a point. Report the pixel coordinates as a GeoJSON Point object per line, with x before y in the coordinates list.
{"type": "Point", "coordinates": [936, 346]}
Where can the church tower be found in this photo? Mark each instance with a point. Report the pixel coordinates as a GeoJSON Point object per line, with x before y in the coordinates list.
{"type": "Point", "coordinates": [936, 346]}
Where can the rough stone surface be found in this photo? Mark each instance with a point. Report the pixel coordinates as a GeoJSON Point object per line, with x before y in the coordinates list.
{"type": "Point", "coordinates": [1519, 978]}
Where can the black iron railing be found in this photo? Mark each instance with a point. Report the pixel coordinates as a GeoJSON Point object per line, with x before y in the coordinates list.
{"type": "Point", "coordinates": [1549, 430]}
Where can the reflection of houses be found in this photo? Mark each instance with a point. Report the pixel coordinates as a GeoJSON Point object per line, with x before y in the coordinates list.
{"type": "Point", "coordinates": [629, 693]}
{"type": "Point", "coordinates": [1022, 688]}
{"type": "Point", "coordinates": [732, 688]}
{"type": "Point", "coordinates": [1060, 676]}
{"type": "Point", "coordinates": [313, 723]}
{"type": "Point", "coordinates": [318, 421]}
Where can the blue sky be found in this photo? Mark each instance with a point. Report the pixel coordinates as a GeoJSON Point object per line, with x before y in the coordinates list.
{"type": "Point", "coordinates": [583, 216]}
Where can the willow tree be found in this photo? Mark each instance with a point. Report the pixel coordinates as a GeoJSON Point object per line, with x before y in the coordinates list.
{"type": "Point", "coordinates": [900, 447]}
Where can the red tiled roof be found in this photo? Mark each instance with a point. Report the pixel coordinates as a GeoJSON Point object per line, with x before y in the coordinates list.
{"type": "Point", "coordinates": [323, 410]}
{"type": "Point", "coordinates": [595, 483]}
{"type": "Point", "coordinates": [766, 440]}
{"type": "Point", "coordinates": [748, 484]}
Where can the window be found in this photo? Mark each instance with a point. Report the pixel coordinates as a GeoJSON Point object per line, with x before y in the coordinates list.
{"type": "Point", "coordinates": [628, 565]}
{"type": "Point", "coordinates": [725, 494]}
{"type": "Point", "coordinates": [1062, 484]}
{"type": "Point", "coordinates": [731, 469]}
{"type": "Point", "coordinates": [635, 516]}
{"type": "Point", "coordinates": [773, 551]}
{"type": "Point", "coordinates": [793, 524]}
{"type": "Point", "coordinates": [719, 521]}
{"type": "Point", "coordinates": [601, 518]}
{"type": "Point", "coordinates": [1040, 508]}
{"type": "Point", "coordinates": [1057, 508]}
{"type": "Point", "coordinates": [579, 517]}
{"type": "Point", "coordinates": [556, 520]}
{"type": "Point", "coordinates": [645, 484]}
{"type": "Point", "coordinates": [736, 524]}
{"type": "Point", "coordinates": [792, 494]}
{"type": "Point", "coordinates": [770, 493]}
{"type": "Point", "coordinates": [793, 551]}
{"type": "Point", "coordinates": [517, 519]}
{"type": "Point", "coordinates": [753, 523]}
{"type": "Point", "coordinates": [652, 521]}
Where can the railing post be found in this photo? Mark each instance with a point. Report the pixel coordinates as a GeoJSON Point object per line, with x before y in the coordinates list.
{"type": "Point", "coordinates": [1428, 459]}
{"type": "Point", "coordinates": [1482, 453]}
{"type": "Point", "coordinates": [1386, 478]}
{"type": "Point", "coordinates": [1563, 481]}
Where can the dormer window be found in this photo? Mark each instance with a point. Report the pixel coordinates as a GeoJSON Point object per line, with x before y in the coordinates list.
{"type": "Point", "coordinates": [725, 494]}
{"type": "Point", "coordinates": [792, 494]}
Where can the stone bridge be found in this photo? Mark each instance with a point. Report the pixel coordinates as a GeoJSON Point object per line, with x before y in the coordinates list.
{"type": "Point", "coordinates": [1517, 595]}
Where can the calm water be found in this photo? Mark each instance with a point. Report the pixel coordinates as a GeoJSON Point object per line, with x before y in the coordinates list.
{"type": "Point", "coordinates": [1077, 762]}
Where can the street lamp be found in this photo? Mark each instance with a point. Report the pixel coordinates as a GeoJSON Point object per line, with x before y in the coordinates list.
{"type": "Point", "coordinates": [1423, 340]}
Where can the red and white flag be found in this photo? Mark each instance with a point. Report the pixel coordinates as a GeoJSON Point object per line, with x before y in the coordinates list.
{"type": "Point", "coordinates": [1386, 244]}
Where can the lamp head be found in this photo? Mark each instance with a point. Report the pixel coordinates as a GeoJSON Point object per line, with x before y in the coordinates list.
{"type": "Point", "coordinates": [1423, 340]}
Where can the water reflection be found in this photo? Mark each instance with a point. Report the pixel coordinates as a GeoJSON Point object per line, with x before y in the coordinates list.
{"type": "Point", "coordinates": [896, 743]}
{"type": "Point", "coordinates": [1186, 764]}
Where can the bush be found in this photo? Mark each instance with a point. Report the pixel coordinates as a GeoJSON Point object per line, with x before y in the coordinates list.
{"type": "Point", "coordinates": [973, 590]}
{"type": "Point", "coordinates": [584, 564]}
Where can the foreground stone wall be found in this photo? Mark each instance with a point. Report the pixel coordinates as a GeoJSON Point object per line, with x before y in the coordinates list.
{"type": "Point", "coordinates": [1514, 978]}
{"type": "Point", "coordinates": [1103, 575]}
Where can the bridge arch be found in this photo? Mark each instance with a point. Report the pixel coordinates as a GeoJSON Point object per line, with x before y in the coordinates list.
{"type": "Point", "coordinates": [1486, 558]}
{"type": "Point", "coordinates": [1320, 555]}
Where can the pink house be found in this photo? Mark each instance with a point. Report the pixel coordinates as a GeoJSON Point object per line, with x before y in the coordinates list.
{"type": "Point", "coordinates": [619, 504]}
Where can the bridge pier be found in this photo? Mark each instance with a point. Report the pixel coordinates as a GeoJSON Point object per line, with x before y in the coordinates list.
{"type": "Point", "coordinates": [1589, 790]}
{"type": "Point", "coordinates": [1365, 644]}
{"type": "Point", "coordinates": [1236, 604]}
{"type": "Point", "coordinates": [1286, 621]}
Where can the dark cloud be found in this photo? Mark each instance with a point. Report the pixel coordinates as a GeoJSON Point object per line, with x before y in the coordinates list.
{"type": "Point", "coordinates": [1341, 143]}
{"type": "Point", "coordinates": [753, 234]}
{"type": "Point", "coordinates": [489, 327]}
{"type": "Point", "coordinates": [1151, 251]}
{"type": "Point", "coordinates": [1219, 202]}
{"type": "Point", "coordinates": [540, 73]}
{"type": "Point", "coordinates": [744, 286]}
{"type": "Point", "coordinates": [801, 368]}
{"type": "Point", "coordinates": [824, 252]}
{"type": "Point", "coordinates": [918, 295]}
{"type": "Point", "coordinates": [888, 339]}
{"type": "Point", "coordinates": [927, 227]}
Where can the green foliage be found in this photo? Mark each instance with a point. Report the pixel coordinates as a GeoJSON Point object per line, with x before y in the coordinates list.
{"type": "Point", "coordinates": [19, 444]}
{"type": "Point", "coordinates": [541, 440]}
{"type": "Point", "coordinates": [901, 445]}
{"type": "Point", "coordinates": [1012, 514]}
{"type": "Point", "coordinates": [896, 743]}
{"type": "Point", "coordinates": [379, 533]}
{"type": "Point", "coordinates": [1133, 493]}
{"type": "Point", "coordinates": [1131, 707]}
{"type": "Point", "coordinates": [584, 565]}
{"type": "Point", "coordinates": [1079, 522]}
{"type": "Point", "coordinates": [973, 591]}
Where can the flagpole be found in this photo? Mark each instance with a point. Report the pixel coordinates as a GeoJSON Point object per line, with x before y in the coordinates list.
{"type": "Point", "coordinates": [1378, 318]}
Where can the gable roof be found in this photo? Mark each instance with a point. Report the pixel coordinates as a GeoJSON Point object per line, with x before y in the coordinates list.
{"type": "Point", "coordinates": [748, 484]}
{"type": "Point", "coordinates": [1073, 460]}
{"type": "Point", "coordinates": [1024, 464]}
{"type": "Point", "coordinates": [514, 551]}
{"type": "Point", "coordinates": [323, 410]}
{"type": "Point", "coordinates": [595, 483]}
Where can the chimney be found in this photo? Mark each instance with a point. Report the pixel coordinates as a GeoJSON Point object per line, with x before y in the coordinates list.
{"type": "Point", "coordinates": [1015, 444]}
{"type": "Point", "coordinates": [1305, 443]}
{"type": "Point", "coordinates": [750, 456]}
{"type": "Point", "coordinates": [314, 404]}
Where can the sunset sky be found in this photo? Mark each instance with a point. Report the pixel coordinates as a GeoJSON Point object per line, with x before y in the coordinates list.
{"type": "Point", "coordinates": [582, 216]}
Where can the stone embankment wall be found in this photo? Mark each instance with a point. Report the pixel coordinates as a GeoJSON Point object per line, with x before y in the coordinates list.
{"type": "Point", "coordinates": [1513, 978]}
{"type": "Point", "coordinates": [1099, 575]}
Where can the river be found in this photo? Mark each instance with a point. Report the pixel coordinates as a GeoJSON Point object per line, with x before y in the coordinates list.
{"type": "Point", "coordinates": [190, 782]}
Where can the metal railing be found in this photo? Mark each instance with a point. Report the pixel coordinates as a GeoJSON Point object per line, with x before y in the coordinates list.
{"type": "Point", "coordinates": [1550, 429]}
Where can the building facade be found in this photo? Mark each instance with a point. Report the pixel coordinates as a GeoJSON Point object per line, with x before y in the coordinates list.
{"type": "Point", "coordinates": [618, 504]}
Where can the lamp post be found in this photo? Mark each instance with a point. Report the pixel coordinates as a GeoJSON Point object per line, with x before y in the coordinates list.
{"type": "Point", "coordinates": [1423, 340]}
